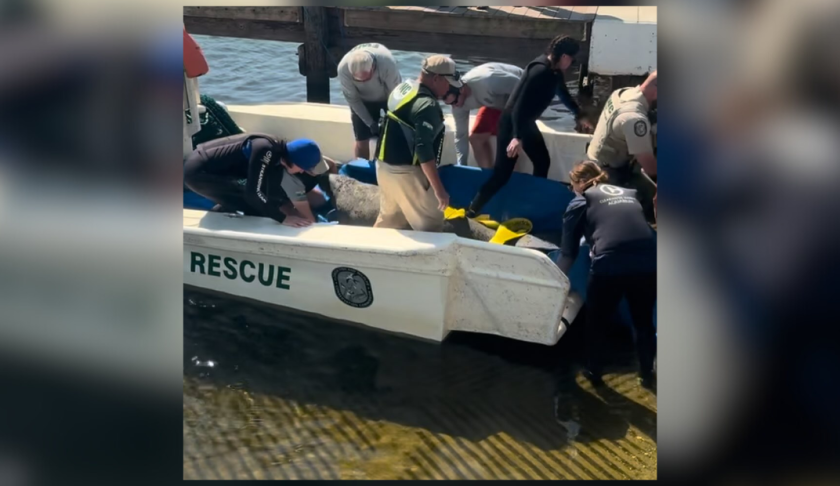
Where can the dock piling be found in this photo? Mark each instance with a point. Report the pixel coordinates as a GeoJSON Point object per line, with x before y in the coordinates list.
{"type": "Point", "coordinates": [315, 55]}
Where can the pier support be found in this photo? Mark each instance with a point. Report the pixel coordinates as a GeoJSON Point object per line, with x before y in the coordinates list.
{"type": "Point", "coordinates": [315, 55]}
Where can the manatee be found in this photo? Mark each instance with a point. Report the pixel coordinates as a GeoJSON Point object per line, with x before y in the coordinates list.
{"type": "Point", "coordinates": [357, 204]}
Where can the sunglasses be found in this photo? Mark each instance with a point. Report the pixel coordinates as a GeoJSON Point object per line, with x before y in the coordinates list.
{"type": "Point", "coordinates": [453, 91]}
{"type": "Point", "coordinates": [456, 75]}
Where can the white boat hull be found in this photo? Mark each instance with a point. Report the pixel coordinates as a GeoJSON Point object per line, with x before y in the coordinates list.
{"type": "Point", "coordinates": [420, 284]}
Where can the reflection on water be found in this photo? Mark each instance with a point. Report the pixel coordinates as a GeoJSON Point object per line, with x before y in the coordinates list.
{"type": "Point", "coordinates": [268, 394]}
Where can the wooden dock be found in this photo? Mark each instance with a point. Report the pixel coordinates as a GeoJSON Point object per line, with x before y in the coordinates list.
{"type": "Point", "coordinates": [508, 34]}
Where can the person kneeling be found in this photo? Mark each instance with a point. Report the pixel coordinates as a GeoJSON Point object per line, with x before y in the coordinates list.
{"type": "Point", "coordinates": [258, 175]}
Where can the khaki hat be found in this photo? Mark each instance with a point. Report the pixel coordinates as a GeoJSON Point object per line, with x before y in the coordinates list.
{"type": "Point", "coordinates": [443, 66]}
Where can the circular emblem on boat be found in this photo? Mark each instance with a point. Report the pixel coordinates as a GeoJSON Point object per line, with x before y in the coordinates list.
{"type": "Point", "coordinates": [611, 190]}
{"type": "Point", "coordinates": [352, 287]}
{"type": "Point", "coordinates": [640, 128]}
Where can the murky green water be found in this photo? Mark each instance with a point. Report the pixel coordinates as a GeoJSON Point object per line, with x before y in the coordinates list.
{"type": "Point", "coordinates": [268, 394]}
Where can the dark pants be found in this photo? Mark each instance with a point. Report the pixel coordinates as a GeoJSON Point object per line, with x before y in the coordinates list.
{"type": "Point", "coordinates": [603, 295]}
{"type": "Point", "coordinates": [212, 177]}
{"type": "Point", "coordinates": [532, 143]}
{"type": "Point", "coordinates": [362, 131]}
{"type": "Point", "coordinates": [632, 177]}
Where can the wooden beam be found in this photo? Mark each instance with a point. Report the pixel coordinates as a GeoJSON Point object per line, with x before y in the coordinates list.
{"type": "Point", "coordinates": [481, 49]}
{"type": "Point", "coordinates": [246, 29]}
{"type": "Point", "coordinates": [436, 23]}
{"type": "Point", "coordinates": [275, 14]}
{"type": "Point", "coordinates": [343, 37]}
{"type": "Point", "coordinates": [317, 72]}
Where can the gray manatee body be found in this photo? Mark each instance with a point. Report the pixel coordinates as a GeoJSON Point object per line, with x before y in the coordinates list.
{"type": "Point", "coordinates": [357, 204]}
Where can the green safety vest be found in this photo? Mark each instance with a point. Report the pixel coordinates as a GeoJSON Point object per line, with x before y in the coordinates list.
{"type": "Point", "coordinates": [400, 102]}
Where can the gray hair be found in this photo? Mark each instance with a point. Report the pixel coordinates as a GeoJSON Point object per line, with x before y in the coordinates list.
{"type": "Point", "coordinates": [360, 62]}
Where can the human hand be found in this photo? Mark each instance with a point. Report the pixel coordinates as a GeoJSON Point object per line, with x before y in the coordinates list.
{"type": "Point", "coordinates": [586, 125]}
{"type": "Point", "coordinates": [443, 199]}
{"type": "Point", "coordinates": [513, 148]}
{"type": "Point", "coordinates": [296, 222]}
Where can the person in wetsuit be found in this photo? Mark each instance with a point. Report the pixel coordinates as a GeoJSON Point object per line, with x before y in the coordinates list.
{"type": "Point", "coordinates": [623, 249]}
{"type": "Point", "coordinates": [518, 123]}
{"type": "Point", "coordinates": [257, 174]}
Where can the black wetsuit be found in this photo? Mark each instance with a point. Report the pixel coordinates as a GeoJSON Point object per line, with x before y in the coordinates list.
{"type": "Point", "coordinates": [531, 96]}
{"type": "Point", "coordinates": [623, 265]}
{"type": "Point", "coordinates": [240, 173]}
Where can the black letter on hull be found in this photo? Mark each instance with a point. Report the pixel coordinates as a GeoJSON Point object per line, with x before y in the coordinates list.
{"type": "Point", "coordinates": [266, 282]}
{"type": "Point", "coordinates": [196, 260]}
{"type": "Point", "coordinates": [282, 277]}
{"type": "Point", "coordinates": [250, 278]}
{"type": "Point", "coordinates": [230, 268]}
{"type": "Point", "coordinates": [213, 268]}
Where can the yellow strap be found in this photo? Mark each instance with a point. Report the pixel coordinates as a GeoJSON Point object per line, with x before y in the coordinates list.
{"type": "Point", "coordinates": [382, 142]}
{"type": "Point", "coordinates": [506, 231]}
{"type": "Point", "coordinates": [453, 213]}
{"type": "Point", "coordinates": [512, 229]}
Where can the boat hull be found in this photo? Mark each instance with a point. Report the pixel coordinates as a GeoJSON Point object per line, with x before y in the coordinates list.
{"type": "Point", "coordinates": [420, 284]}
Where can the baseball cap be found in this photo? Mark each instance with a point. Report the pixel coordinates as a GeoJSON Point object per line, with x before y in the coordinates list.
{"type": "Point", "coordinates": [443, 66]}
{"type": "Point", "coordinates": [306, 154]}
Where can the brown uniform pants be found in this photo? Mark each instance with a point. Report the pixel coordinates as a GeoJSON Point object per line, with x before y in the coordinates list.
{"type": "Point", "coordinates": [406, 199]}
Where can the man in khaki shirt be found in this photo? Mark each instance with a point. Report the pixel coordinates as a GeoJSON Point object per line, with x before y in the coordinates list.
{"type": "Point", "coordinates": [623, 142]}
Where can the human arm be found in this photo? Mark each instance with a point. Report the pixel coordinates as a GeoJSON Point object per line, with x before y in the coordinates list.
{"type": "Point", "coordinates": [569, 102]}
{"type": "Point", "coordinates": [389, 73]}
{"type": "Point", "coordinates": [305, 210]}
{"type": "Point", "coordinates": [351, 95]}
{"type": "Point", "coordinates": [431, 172]}
{"type": "Point", "coordinates": [636, 129]}
{"type": "Point", "coordinates": [428, 122]}
{"type": "Point", "coordinates": [574, 221]}
{"type": "Point", "coordinates": [261, 176]}
{"type": "Point", "coordinates": [523, 110]}
{"type": "Point", "coordinates": [295, 192]}
{"type": "Point", "coordinates": [566, 98]}
{"type": "Point", "coordinates": [462, 139]}
{"type": "Point", "coordinates": [331, 164]}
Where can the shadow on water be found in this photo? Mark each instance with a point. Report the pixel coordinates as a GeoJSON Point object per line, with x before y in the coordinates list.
{"type": "Point", "coordinates": [471, 386]}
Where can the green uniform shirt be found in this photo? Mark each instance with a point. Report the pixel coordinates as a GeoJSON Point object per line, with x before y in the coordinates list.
{"type": "Point", "coordinates": [424, 115]}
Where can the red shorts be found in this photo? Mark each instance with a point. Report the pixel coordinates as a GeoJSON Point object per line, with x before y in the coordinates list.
{"type": "Point", "coordinates": [487, 121]}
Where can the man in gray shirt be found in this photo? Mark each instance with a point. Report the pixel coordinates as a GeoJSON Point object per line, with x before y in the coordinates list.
{"type": "Point", "coordinates": [368, 74]}
{"type": "Point", "coordinates": [486, 88]}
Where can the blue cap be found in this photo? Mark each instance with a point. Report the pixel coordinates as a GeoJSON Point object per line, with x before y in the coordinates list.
{"type": "Point", "coordinates": [306, 154]}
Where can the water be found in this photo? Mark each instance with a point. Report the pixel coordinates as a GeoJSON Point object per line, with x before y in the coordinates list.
{"type": "Point", "coordinates": [245, 71]}
{"type": "Point", "coordinates": [293, 397]}
{"type": "Point", "coordinates": [272, 394]}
